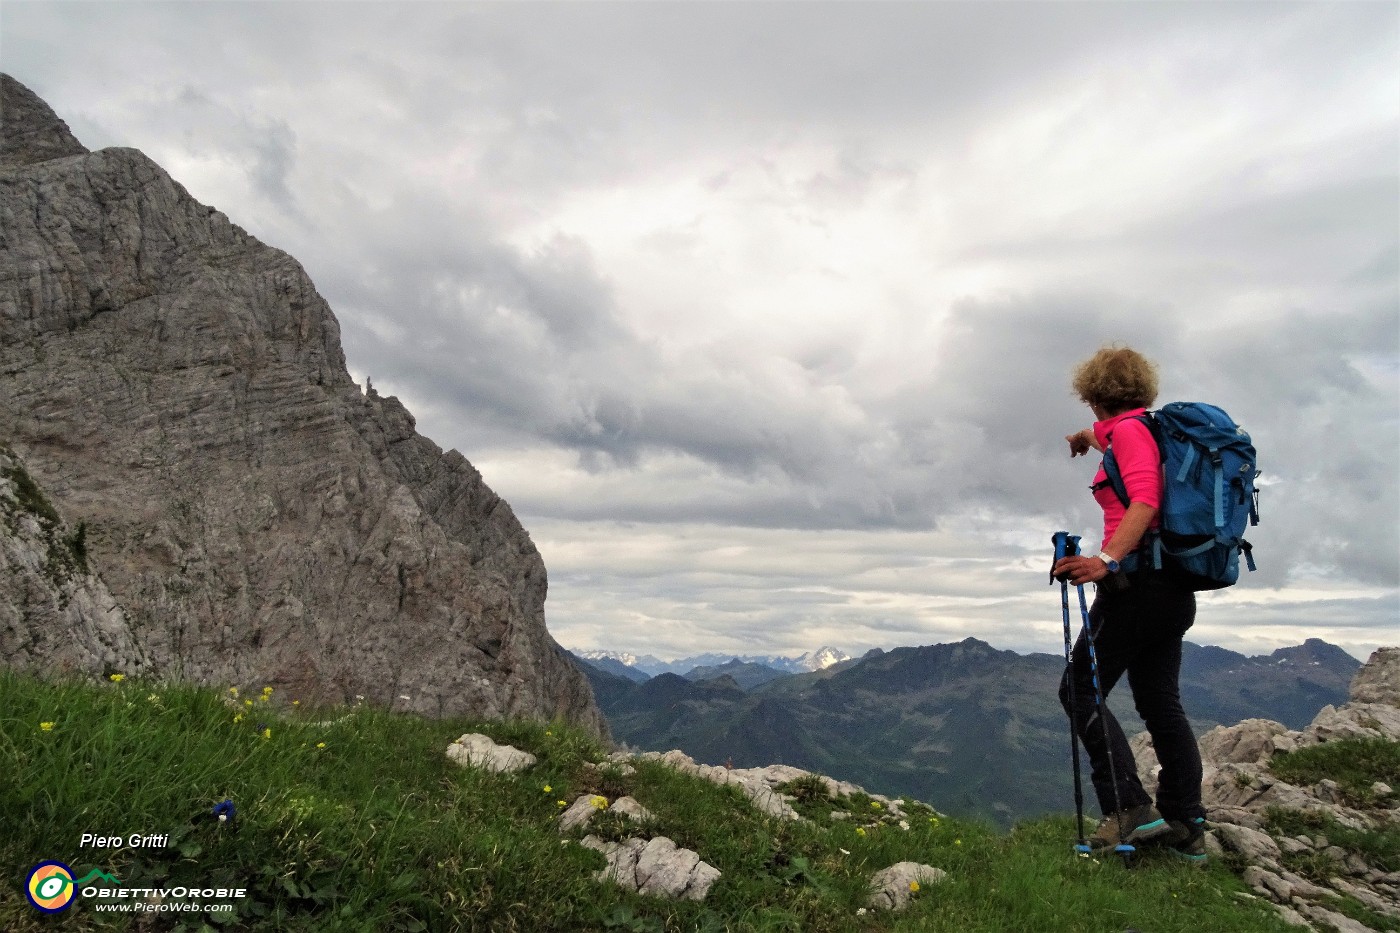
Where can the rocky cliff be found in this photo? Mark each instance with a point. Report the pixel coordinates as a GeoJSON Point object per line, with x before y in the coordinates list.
{"type": "Point", "coordinates": [177, 389]}
{"type": "Point", "coordinates": [1348, 853]}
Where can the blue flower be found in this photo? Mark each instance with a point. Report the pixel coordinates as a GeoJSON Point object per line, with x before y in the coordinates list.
{"type": "Point", "coordinates": [225, 811]}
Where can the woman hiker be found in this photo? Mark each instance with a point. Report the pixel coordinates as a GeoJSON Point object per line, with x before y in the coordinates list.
{"type": "Point", "coordinates": [1139, 617]}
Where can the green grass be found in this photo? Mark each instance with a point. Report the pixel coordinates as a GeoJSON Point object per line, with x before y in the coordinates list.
{"type": "Point", "coordinates": [1379, 847]}
{"type": "Point", "coordinates": [1355, 764]}
{"type": "Point", "coordinates": [377, 830]}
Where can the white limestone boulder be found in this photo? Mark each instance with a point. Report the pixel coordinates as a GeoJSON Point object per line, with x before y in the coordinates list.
{"type": "Point", "coordinates": [655, 867]}
{"type": "Point", "coordinates": [892, 888]}
{"type": "Point", "coordinates": [475, 750]}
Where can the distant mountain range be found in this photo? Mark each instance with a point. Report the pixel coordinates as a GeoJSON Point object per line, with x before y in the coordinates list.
{"type": "Point", "coordinates": [973, 730]}
{"type": "Point", "coordinates": [630, 665]}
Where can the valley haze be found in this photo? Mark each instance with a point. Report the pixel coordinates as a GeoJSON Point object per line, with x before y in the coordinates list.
{"type": "Point", "coordinates": [761, 315]}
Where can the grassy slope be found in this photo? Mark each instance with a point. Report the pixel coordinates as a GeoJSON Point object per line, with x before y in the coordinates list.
{"type": "Point", "coordinates": [377, 830]}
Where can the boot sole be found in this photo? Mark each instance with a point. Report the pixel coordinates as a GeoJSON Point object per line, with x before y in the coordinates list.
{"type": "Point", "coordinates": [1147, 832]}
{"type": "Point", "coordinates": [1150, 832]}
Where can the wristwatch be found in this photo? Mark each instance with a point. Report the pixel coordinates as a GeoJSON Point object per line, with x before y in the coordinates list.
{"type": "Point", "coordinates": [1112, 565]}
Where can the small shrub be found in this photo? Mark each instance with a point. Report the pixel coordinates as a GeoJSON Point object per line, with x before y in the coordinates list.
{"type": "Point", "coordinates": [809, 788]}
{"type": "Point", "coordinates": [606, 780]}
{"type": "Point", "coordinates": [29, 496]}
{"type": "Point", "coordinates": [77, 547]}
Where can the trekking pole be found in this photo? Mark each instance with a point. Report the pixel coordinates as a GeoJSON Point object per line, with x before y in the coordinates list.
{"type": "Point", "coordinates": [1067, 545]}
{"type": "Point", "coordinates": [1124, 848]}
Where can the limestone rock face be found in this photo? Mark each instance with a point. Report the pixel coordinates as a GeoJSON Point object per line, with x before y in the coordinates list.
{"type": "Point", "coordinates": [55, 615]}
{"type": "Point", "coordinates": [179, 388]}
{"type": "Point", "coordinates": [32, 131]}
{"type": "Point", "coordinates": [1378, 680]}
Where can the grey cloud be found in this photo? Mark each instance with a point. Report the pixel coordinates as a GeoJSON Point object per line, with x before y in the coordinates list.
{"type": "Point", "coordinates": [398, 151]}
{"type": "Point", "coordinates": [1326, 426]}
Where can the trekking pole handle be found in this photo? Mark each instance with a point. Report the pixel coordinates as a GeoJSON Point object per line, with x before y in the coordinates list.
{"type": "Point", "coordinates": [1066, 545]}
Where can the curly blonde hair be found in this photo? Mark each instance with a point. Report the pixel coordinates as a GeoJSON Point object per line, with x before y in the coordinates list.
{"type": "Point", "coordinates": [1116, 379]}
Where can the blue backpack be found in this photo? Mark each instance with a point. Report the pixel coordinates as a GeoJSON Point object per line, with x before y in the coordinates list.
{"type": "Point", "coordinates": [1208, 494]}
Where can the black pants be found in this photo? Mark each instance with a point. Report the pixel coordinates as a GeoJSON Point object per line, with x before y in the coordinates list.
{"type": "Point", "coordinates": [1138, 630]}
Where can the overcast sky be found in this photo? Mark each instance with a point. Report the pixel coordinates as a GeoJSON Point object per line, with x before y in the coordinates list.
{"type": "Point", "coordinates": [761, 316]}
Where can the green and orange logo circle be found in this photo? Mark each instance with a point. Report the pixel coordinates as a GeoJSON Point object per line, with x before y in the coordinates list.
{"type": "Point", "coordinates": [50, 887]}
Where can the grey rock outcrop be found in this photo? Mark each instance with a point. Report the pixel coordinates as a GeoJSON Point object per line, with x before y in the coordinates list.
{"type": "Point", "coordinates": [1378, 681]}
{"type": "Point", "coordinates": [32, 131]}
{"type": "Point", "coordinates": [55, 615]}
{"type": "Point", "coordinates": [1239, 790]}
{"type": "Point", "coordinates": [179, 389]}
{"type": "Point", "coordinates": [752, 785]}
{"type": "Point", "coordinates": [759, 784]}
{"type": "Point", "coordinates": [653, 866]}
{"type": "Point", "coordinates": [587, 806]}
{"type": "Point", "coordinates": [656, 867]}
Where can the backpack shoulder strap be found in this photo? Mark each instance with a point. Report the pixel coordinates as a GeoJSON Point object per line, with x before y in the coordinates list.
{"type": "Point", "coordinates": [1115, 476]}
{"type": "Point", "coordinates": [1110, 462]}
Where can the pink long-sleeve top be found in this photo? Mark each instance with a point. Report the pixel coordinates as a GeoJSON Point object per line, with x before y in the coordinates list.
{"type": "Point", "coordinates": [1138, 460]}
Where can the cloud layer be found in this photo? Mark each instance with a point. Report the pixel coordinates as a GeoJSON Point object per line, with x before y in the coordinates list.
{"type": "Point", "coordinates": [761, 316]}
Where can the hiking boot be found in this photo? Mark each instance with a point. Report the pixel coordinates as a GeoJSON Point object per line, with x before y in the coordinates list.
{"type": "Point", "coordinates": [1134, 826]}
{"type": "Point", "coordinates": [1188, 839]}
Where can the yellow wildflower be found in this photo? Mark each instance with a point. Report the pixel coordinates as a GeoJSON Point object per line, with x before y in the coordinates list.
{"type": "Point", "coordinates": [296, 702]}
{"type": "Point", "coordinates": [600, 802]}
{"type": "Point", "coordinates": [860, 830]}
{"type": "Point", "coordinates": [875, 805]}
{"type": "Point", "coordinates": [562, 803]}
{"type": "Point", "coordinates": [46, 726]}
{"type": "Point", "coordinates": [957, 842]}
{"type": "Point", "coordinates": [913, 886]}
{"type": "Point", "coordinates": [117, 678]}
{"type": "Point", "coordinates": [320, 744]}
{"type": "Point", "coordinates": [237, 717]}
{"type": "Point", "coordinates": [267, 691]}
{"type": "Point", "coordinates": [248, 703]}
{"type": "Point", "coordinates": [267, 733]}
{"type": "Point", "coordinates": [548, 789]}
{"type": "Point", "coordinates": [233, 692]}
